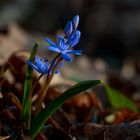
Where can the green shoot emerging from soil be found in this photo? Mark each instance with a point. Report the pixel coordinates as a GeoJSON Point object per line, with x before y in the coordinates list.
{"type": "Point", "coordinates": [36, 119]}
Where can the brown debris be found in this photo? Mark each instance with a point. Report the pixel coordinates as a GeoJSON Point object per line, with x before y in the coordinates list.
{"type": "Point", "coordinates": [122, 131]}
{"type": "Point", "coordinates": [4, 137]}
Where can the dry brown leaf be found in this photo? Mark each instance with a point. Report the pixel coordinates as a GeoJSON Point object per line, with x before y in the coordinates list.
{"type": "Point", "coordinates": [4, 137]}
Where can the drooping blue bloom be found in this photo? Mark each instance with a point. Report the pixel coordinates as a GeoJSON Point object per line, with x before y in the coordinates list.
{"type": "Point", "coordinates": [39, 65]}
{"type": "Point", "coordinates": [63, 47]}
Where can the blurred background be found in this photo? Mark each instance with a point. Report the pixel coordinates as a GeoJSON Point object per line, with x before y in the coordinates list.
{"type": "Point", "coordinates": [110, 35]}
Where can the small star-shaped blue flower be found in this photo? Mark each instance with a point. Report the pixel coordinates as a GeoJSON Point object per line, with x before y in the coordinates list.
{"type": "Point", "coordinates": [63, 46]}
{"type": "Point", "coordinates": [39, 65]}
{"type": "Point", "coordinates": [43, 66]}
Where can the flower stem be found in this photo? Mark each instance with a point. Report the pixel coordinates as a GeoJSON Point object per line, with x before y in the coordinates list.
{"type": "Point", "coordinates": [33, 87]}
{"type": "Point", "coordinates": [47, 83]}
{"type": "Point", "coordinates": [30, 98]}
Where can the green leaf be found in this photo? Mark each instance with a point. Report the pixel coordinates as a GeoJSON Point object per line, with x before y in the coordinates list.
{"type": "Point", "coordinates": [26, 110]}
{"type": "Point", "coordinates": [39, 120]}
{"type": "Point", "coordinates": [118, 100]}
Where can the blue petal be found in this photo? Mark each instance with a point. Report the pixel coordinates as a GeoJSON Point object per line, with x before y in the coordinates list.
{"type": "Point", "coordinates": [68, 28]}
{"type": "Point", "coordinates": [38, 60]}
{"type": "Point", "coordinates": [33, 66]}
{"type": "Point", "coordinates": [78, 52]}
{"type": "Point", "coordinates": [61, 42]}
{"type": "Point", "coordinates": [46, 65]}
{"type": "Point", "coordinates": [75, 21]}
{"type": "Point", "coordinates": [74, 38]}
{"type": "Point", "coordinates": [46, 70]}
{"type": "Point", "coordinates": [53, 49]}
{"type": "Point", "coordinates": [40, 69]}
{"type": "Point", "coordinates": [50, 42]}
{"type": "Point", "coordinates": [67, 57]}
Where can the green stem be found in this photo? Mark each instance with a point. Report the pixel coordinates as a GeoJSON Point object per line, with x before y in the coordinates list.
{"type": "Point", "coordinates": [26, 105]}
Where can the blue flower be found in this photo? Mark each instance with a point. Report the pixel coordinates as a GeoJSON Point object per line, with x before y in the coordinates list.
{"type": "Point", "coordinates": [72, 35]}
{"type": "Point", "coordinates": [39, 65]}
{"type": "Point", "coordinates": [63, 46]}
{"type": "Point", "coordinates": [43, 66]}
{"type": "Point", "coordinates": [71, 38]}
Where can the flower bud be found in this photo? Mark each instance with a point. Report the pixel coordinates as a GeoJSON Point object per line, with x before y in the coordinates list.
{"type": "Point", "coordinates": [68, 29]}
{"type": "Point", "coordinates": [75, 21]}
{"type": "Point", "coordinates": [74, 38]}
